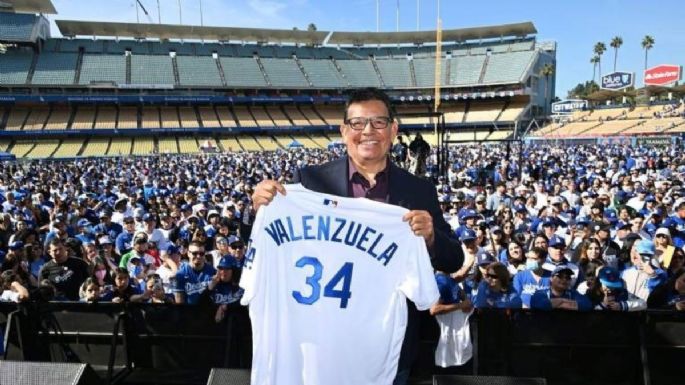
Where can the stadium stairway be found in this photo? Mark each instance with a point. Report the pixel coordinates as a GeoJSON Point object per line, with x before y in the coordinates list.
{"type": "Point", "coordinates": [484, 69]}
{"type": "Point", "coordinates": [79, 64]}
{"type": "Point", "coordinates": [221, 70]}
{"type": "Point", "coordinates": [32, 69]}
{"type": "Point", "coordinates": [263, 71]}
{"type": "Point", "coordinates": [413, 73]}
{"type": "Point", "coordinates": [378, 71]}
{"type": "Point", "coordinates": [304, 73]}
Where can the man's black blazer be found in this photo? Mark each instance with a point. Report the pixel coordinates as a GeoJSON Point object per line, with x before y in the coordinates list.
{"type": "Point", "coordinates": [410, 192]}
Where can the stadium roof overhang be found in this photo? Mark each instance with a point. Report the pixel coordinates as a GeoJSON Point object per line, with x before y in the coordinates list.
{"type": "Point", "coordinates": [28, 6]}
{"type": "Point", "coordinates": [168, 31]}
{"type": "Point", "coordinates": [421, 37]}
{"type": "Point", "coordinates": [73, 28]}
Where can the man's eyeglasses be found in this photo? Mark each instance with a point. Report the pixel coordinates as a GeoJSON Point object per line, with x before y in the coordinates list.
{"type": "Point", "coordinates": [564, 277]}
{"type": "Point", "coordinates": [377, 122]}
{"type": "Point", "coordinates": [197, 253]}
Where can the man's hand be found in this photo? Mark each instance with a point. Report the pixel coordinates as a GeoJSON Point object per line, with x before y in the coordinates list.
{"type": "Point", "coordinates": [265, 192]}
{"type": "Point", "coordinates": [421, 224]}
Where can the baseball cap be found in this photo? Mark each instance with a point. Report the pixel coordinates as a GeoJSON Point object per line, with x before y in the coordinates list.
{"type": "Point", "coordinates": [549, 222]}
{"type": "Point", "coordinates": [662, 230]}
{"type": "Point", "coordinates": [234, 239]}
{"type": "Point", "coordinates": [645, 246]}
{"type": "Point", "coordinates": [470, 213]}
{"type": "Point", "coordinates": [83, 223]}
{"type": "Point", "coordinates": [610, 278]}
{"type": "Point", "coordinates": [172, 249]}
{"type": "Point", "coordinates": [467, 235]}
{"type": "Point", "coordinates": [138, 212]}
{"type": "Point", "coordinates": [104, 240]}
{"type": "Point", "coordinates": [139, 235]}
{"type": "Point", "coordinates": [600, 226]}
{"type": "Point", "coordinates": [484, 258]}
{"type": "Point", "coordinates": [104, 214]}
{"type": "Point", "coordinates": [556, 241]}
{"type": "Point", "coordinates": [227, 262]}
{"type": "Point", "coordinates": [16, 245]}
{"type": "Point", "coordinates": [557, 200]}
{"type": "Point", "coordinates": [212, 213]}
{"type": "Point", "coordinates": [620, 225]}
{"type": "Point", "coordinates": [148, 217]}
{"type": "Point", "coordinates": [520, 209]}
{"type": "Point", "coordinates": [562, 269]}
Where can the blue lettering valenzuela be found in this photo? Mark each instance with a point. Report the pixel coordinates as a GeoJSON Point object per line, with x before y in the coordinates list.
{"type": "Point", "coordinates": [350, 233]}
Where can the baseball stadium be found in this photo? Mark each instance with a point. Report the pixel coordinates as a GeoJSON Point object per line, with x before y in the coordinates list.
{"type": "Point", "coordinates": [131, 150]}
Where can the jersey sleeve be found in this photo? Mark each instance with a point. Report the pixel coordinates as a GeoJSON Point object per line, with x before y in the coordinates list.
{"type": "Point", "coordinates": [253, 271]}
{"type": "Point", "coordinates": [419, 281]}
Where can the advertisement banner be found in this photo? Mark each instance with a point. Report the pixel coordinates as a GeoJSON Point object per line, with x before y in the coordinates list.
{"type": "Point", "coordinates": [568, 106]}
{"type": "Point", "coordinates": [662, 75]}
{"type": "Point", "coordinates": [617, 80]}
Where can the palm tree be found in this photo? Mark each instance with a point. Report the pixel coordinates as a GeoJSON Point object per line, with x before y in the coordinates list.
{"type": "Point", "coordinates": [647, 44]}
{"type": "Point", "coordinates": [547, 70]}
{"type": "Point", "coordinates": [599, 50]}
{"type": "Point", "coordinates": [594, 61]}
{"type": "Point", "coordinates": [616, 43]}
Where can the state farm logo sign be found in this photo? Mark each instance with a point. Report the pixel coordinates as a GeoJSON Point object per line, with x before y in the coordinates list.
{"type": "Point", "coordinates": [662, 75]}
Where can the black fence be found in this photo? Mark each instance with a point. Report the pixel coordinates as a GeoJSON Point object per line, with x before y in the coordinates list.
{"type": "Point", "coordinates": [179, 344]}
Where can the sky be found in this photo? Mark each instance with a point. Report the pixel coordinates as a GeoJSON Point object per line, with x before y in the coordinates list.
{"type": "Point", "coordinates": [575, 25]}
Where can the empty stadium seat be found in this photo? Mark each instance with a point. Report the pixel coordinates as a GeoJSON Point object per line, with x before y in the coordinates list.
{"type": "Point", "coordinates": [333, 115]}
{"type": "Point", "coordinates": [167, 145]}
{"type": "Point", "coordinates": [16, 119]}
{"type": "Point", "coordinates": [296, 116]}
{"type": "Point", "coordinates": [424, 70]}
{"type": "Point", "coordinates": [119, 146]}
{"type": "Point", "coordinates": [188, 145]}
{"type": "Point", "coordinates": [150, 117]}
{"type": "Point", "coordinates": [322, 73]}
{"type": "Point", "coordinates": [59, 118]}
{"type": "Point", "coordinates": [306, 141]}
{"type": "Point", "coordinates": [268, 143]}
{"type": "Point", "coordinates": [484, 111]}
{"type": "Point", "coordinates": [249, 143]}
{"type": "Point", "coordinates": [17, 26]}
{"type": "Point", "coordinates": [312, 116]}
{"type": "Point", "coordinates": [69, 148]}
{"type": "Point", "coordinates": [226, 117]}
{"type": "Point", "coordinates": [198, 71]}
{"type": "Point", "coordinates": [20, 149]}
{"type": "Point", "coordinates": [279, 118]}
{"type": "Point", "coordinates": [466, 69]}
{"type": "Point", "coordinates": [454, 113]}
{"type": "Point", "coordinates": [245, 72]}
{"type": "Point", "coordinates": [244, 117]}
{"type": "Point", "coordinates": [359, 73]}
{"type": "Point", "coordinates": [103, 68]}
{"type": "Point", "coordinates": [143, 146]}
{"type": "Point", "coordinates": [107, 117]}
{"type": "Point", "coordinates": [187, 117]}
{"type": "Point", "coordinates": [230, 144]}
{"type": "Point", "coordinates": [512, 112]}
{"type": "Point", "coordinates": [152, 69]}
{"type": "Point", "coordinates": [284, 73]}
{"type": "Point", "coordinates": [395, 72]}
{"type": "Point", "coordinates": [96, 147]}
{"type": "Point", "coordinates": [169, 117]}
{"type": "Point", "coordinates": [84, 118]}
{"type": "Point", "coordinates": [209, 117]}
{"type": "Point", "coordinates": [14, 66]}
{"type": "Point", "coordinates": [36, 119]}
{"type": "Point", "coordinates": [43, 149]}
{"type": "Point", "coordinates": [508, 67]}
{"type": "Point", "coordinates": [261, 117]}
{"type": "Point", "coordinates": [55, 68]}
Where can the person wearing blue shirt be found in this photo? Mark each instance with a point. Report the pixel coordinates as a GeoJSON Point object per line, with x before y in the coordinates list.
{"type": "Point", "coordinates": [193, 278]}
{"type": "Point", "coordinates": [123, 244]}
{"type": "Point", "coordinates": [468, 219]}
{"type": "Point", "coordinates": [106, 226]}
{"type": "Point", "coordinates": [677, 225]}
{"type": "Point", "coordinates": [84, 234]}
{"type": "Point", "coordinates": [645, 274]}
{"type": "Point", "coordinates": [223, 290]}
{"type": "Point", "coordinates": [496, 291]}
{"type": "Point", "coordinates": [560, 295]}
{"type": "Point", "coordinates": [534, 278]}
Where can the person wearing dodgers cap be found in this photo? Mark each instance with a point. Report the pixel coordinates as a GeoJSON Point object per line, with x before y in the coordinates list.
{"type": "Point", "coordinates": [613, 294]}
{"type": "Point", "coordinates": [223, 289]}
{"type": "Point", "coordinates": [556, 258]}
{"type": "Point", "coordinates": [560, 295]}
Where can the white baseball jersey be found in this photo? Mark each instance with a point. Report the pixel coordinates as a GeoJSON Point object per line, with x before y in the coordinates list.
{"type": "Point", "coordinates": [327, 279]}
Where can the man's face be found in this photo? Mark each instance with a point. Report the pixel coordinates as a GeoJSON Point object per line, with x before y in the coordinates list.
{"type": "Point", "coordinates": [196, 255]}
{"type": "Point", "coordinates": [58, 253]}
{"type": "Point", "coordinates": [561, 281]}
{"type": "Point", "coordinates": [368, 144]}
{"type": "Point", "coordinates": [556, 253]}
{"type": "Point", "coordinates": [238, 250]}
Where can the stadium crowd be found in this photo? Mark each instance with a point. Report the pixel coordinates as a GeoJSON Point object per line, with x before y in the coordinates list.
{"type": "Point", "coordinates": [542, 226]}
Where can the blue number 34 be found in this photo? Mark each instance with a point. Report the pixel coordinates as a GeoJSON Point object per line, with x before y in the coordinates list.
{"type": "Point", "coordinates": [344, 275]}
